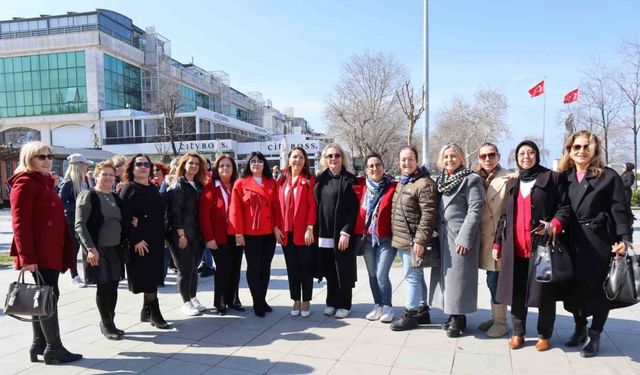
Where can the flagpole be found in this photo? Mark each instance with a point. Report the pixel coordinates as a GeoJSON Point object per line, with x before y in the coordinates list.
{"type": "Point", "coordinates": [544, 117]}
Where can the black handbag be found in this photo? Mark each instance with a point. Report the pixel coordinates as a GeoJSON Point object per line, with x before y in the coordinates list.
{"type": "Point", "coordinates": [30, 300]}
{"type": "Point", "coordinates": [359, 244]}
{"type": "Point", "coordinates": [431, 255]}
{"type": "Point", "coordinates": [553, 263]}
{"type": "Point", "coordinates": [622, 283]}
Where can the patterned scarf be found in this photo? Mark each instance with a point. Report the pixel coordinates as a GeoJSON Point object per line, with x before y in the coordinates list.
{"type": "Point", "coordinates": [371, 202]}
{"type": "Point", "coordinates": [447, 184]}
{"type": "Point", "coordinates": [405, 179]}
{"type": "Point", "coordinates": [487, 177]}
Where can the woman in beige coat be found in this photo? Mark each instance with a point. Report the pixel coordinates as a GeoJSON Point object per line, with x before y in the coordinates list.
{"type": "Point", "coordinates": [494, 180]}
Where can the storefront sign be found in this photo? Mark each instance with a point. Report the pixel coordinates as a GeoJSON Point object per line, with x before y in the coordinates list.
{"type": "Point", "coordinates": [223, 145]}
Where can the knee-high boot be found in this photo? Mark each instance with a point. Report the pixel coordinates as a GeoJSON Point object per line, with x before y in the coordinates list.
{"type": "Point", "coordinates": [54, 351]}
{"type": "Point", "coordinates": [39, 343]}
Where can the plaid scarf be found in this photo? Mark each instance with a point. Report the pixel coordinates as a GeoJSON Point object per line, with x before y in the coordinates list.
{"type": "Point", "coordinates": [447, 184]}
{"type": "Point", "coordinates": [487, 177]}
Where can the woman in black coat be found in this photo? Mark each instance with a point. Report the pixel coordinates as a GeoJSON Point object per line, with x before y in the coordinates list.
{"type": "Point", "coordinates": [535, 204]}
{"type": "Point", "coordinates": [628, 181]}
{"type": "Point", "coordinates": [601, 226]}
{"type": "Point", "coordinates": [144, 219]}
{"type": "Point", "coordinates": [337, 212]}
{"type": "Point", "coordinates": [184, 228]}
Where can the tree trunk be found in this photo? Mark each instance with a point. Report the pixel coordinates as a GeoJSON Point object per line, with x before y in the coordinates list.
{"type": "Point", "coordinates": [635, 142]}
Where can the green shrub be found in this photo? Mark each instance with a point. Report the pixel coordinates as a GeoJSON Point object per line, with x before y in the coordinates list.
{"type": "Point", "coordinates": [635, 198]}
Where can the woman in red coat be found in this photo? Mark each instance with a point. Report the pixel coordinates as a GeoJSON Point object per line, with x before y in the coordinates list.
{"type": "Point", "coordinates": [295, 221]}
{"type": "Point", "coordinates": [252, 216]}
{"type": "Point", "coordinates": [41, 241]}
{"type": "Point", "coordinates": [219, 235]}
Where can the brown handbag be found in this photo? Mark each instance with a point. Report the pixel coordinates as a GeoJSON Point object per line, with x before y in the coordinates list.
{"type": "Point", "coordinates": [30, 300]}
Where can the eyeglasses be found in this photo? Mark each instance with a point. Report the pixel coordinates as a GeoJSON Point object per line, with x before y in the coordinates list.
{"type": "Point", "coordinates": [43, 157]}
{"type": "Point", "coordinates": [142, 164]}
{"type": "Point", "coordinates": [374, 166]}
{"type": "Point", "coordinates": [254, 161]}
{"type": "Point", "coordinates": [488, 155]}
{"type": "Point", "coordinates": [578, 147]}
{"type": "Point", "coordinates": [119, 165]}
{"type": "Point", "coordinates": [333, 156]}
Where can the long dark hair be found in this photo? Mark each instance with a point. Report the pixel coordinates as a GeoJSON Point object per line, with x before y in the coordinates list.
{"type": "Point", "coordinates": [214, 170]}
{"type": "Point", "coordinates": [306, 170]}
{"type": "Point", "coordinates": [127, 176]}
{"type": "Point", "coordinates": [266, 170]}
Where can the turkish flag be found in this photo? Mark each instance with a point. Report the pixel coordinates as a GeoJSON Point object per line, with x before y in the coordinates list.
{"type": "Point", "coordinates": [571, 97]}
{"type": "Point", "coordinates": [537, 89]}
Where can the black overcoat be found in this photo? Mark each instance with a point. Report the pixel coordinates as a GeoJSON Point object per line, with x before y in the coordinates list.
{"type": "Point", "coordinates": [548, 201]}
{"type": "Point", "coordinates": [345, 220]}
{"type": "Point", "coordinates": [183, 214]}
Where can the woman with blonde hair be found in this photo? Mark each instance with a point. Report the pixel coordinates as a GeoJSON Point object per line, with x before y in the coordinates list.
{"type": "Point", "coordinates": [184, 227]}
{"type": "Point", "coordinates": [599, 230]}
{"type": "Point", "coordinates": [337, 207]}
{"type": "Point", "coordinates": [41, 242]}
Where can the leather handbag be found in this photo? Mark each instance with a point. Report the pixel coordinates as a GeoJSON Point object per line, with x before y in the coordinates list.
{"type": "Point", "coordinates": [622, 283]}
{"type": "Point", "coordinates": [30, 300]}
{"type": "Point", "coordinates": [431, 255]}
{"type": "Point", "coordinates": [553, 263]}
{"type": "Point", "coordinates": [359, 244]}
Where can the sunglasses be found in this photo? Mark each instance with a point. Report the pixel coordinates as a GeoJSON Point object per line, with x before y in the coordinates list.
{"type": "Point", "coordinates": [43, 157]}
{"type": "Point", "coordinates": [333, 156]}
{"type": "Point", "coordinates": [488, 155]}
{"type": "Point", "coordinates": [374, 166]}
{"type": "Point", "coordinates": [580, 147]}
{"type": "Point", "coordinates": [142, 164]}
{"type": "Point", "coordinates": [119, 165]}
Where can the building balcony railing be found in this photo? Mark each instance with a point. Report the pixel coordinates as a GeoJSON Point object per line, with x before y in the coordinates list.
{"type": "Point", "coordinates": [182, 137]}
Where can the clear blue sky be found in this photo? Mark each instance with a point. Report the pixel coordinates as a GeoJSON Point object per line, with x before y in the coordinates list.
{"type": "Point", "coordinates": [291, 51]}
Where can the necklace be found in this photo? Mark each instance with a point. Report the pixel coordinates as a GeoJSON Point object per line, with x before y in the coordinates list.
{"type": "Point", "coordinates": [111, 202]}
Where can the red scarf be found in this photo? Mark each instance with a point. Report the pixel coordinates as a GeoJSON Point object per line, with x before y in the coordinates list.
{"type": "Point", "coordinates": [290, 204]}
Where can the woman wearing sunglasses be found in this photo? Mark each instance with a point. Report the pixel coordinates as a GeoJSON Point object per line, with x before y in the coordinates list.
{"type": "Point", "coordinates": [601, 228]}
{"type": "Point", "coordinates": [41, 241]}
{"type": "Point", "coordinates": [145, 269]}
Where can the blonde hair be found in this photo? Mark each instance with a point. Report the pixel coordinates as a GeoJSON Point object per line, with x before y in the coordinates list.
{"type": "Point", "coordinates": [595, 164]}
{"type": "Point", "coordinates": [456, 149]}
{"type": "Point", "coordinates": [75, 173]}
{"type": "Point", "coordinates": [117, 159]}
{"type": "Point", "coordinates": [346, 160]}
{"type": "Point", "coordinates": [173, 169]}
{"type": "Point", "coordinates": [28, 151]}
{"type": "Point", "coordinates": [201, 176]}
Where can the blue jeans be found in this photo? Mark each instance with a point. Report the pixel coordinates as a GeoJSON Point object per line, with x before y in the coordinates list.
{"type": "Point", "coordinates": [379, 259]}
{"type": "Point", "coordinates": [207, 258]}
{"type": "Point", "coordinates": [416, 286]}
{"type": "Point", "coordinates": [492, 283]}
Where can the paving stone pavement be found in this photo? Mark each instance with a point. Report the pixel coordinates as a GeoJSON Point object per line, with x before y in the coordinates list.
{"type": "Point", "coordinates": [280, 344]}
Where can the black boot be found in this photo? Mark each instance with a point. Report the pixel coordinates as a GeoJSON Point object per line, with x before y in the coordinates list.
{"type": "Point", "coordinates": [456, 326]}
{"type": "Point", "coordinates": [590, 349]}
{"type": "Point", "coordinates": [54, 351]}
{"type": "Point", "coordinates": [423, 315]}
{"type": "Point", "coordinates": [445, 325]}
{"type": "Point", "coordinates": [39, 343]}
{"type": "Point", "coordinates": [408, 320]}
{"type": "Point", "coordinates": [578, 337]}
{"type": "Point", "coordinates": [156, 318]}
{"type": "Point", "coordinates": [113, 325]}
{"type": "Point", "coordinates": [145, 312]}
{"type": "Point", "coordinates": [108, 331]}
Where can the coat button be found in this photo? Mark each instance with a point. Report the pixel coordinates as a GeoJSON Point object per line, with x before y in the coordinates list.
{"type": "Point", "coordinates": [53, 204]}
{"type": "Point", "coordinates": [49, 223]}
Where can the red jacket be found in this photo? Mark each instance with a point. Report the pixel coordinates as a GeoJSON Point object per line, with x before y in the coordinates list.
{"type": "Point", "coordinates": [214, 216]}
{"type": "Point", "coordinates": [40, 234]}
{"type": "Point", "coordinates": [384, 214]}
{"type": "Point", "coordinates": [253, 207]}
{"type": "Point", "coordinates": [305, 210]}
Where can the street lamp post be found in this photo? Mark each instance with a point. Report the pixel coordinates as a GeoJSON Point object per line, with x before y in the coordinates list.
{"type": "Point", "coordinates": [425, 47]}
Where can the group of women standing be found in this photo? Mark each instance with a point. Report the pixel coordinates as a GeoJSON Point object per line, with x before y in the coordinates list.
{"type": "Point", "coordinates": [487, 218]}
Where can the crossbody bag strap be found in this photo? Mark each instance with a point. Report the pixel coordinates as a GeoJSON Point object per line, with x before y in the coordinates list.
{"type": "Point", "coordinates": [406, 221]}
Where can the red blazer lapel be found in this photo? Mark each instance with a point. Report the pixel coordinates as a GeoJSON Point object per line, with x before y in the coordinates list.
{"type": "Point", "coordinates": [253, 186]}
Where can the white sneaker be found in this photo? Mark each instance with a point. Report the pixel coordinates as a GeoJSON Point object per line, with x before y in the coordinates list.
{"type": "Point", "coordinates": [295, 312]}
{"type": "Point", "coordinates": [342, 313]}
{"type": "Point", "coordinates": [188, 309]}
{"type": "Point", "coordinates": [375, 313]}
{"type": "Point", "coordinates": [328, 311]}
{"type": "Point", "coordinates": [387, 314]}
{"type": "Point", "coordinates": [197, 305]}
{"type": "Point", "coordinates": [305, 314]}
{"type": "Point", "coordinates": [78, 282]}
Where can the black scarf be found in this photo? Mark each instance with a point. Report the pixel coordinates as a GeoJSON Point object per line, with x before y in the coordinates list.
{"type": "Point", "coordinates": [447, 184]}
{"type": "Point", "coordinates": [527, 175]}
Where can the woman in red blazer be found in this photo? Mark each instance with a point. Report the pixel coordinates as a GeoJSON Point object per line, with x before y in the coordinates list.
{"type": "Point", "coordinates": [252, 216]}
{"type": "Point", "coordinates": [220, 236]}
{"type": "Point", "coordinates": [295, 221]}
{"type": "Point", "coordinates": [41, 241]}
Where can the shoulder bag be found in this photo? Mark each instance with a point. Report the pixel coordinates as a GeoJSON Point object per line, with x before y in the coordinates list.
{"type": "Point", "coordinates": [553, 262]}
{"type": "Point", "coordinates": [622, 283]}
{"type": "Point", "coordinates": [30, 300]}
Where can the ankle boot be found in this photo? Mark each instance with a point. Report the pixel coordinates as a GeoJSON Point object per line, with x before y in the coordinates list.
{"type": "Point", "coordinates": [144, 313]}
{"type": "Point", "coordinates": [423, 315]}
{"type": "Point", "coordinates": [407, 321]}
{"type": "Point", "coordinates": [445, 325]}
{"type": "Point", "coordinates": [579, 336]}
{"type": "Point", "coordinates": [590, 349]}
{"type": "Point", "coordinates": [107, 331]}
{"type": "Point", "coordinates": [457, 326]}
{"type": "Point", "coordinates": [155, 317]}
{"type": "Point", "coordinates": [54, 351]}
{"type": "Point", "coordinates": [39, 343]}
{"type": "Point", "coordinates": [499, 327]}
{"type": "Point", "coordinates": [113, 325]}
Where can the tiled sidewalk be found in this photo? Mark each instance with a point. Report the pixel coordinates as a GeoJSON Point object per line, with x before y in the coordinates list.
{"type": "Point", "coordinates": [280, 344]}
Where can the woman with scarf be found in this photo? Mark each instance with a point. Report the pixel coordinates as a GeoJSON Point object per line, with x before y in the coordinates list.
{"type": "Point", "coordinates": [374, 224]}
{"type": "Point", "coordinates": [535, 204]}
{"type": "Point", "coordinates": [413, 222]}
{"type": "Point", "coordinates": [295, 219]}
{"type": "Point", "coordinates": [454, 285]}
{"type": "Point", "coordinates": [494, 180]}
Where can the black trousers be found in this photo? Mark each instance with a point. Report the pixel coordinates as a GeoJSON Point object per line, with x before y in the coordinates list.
{"type": "Point", "coordinates": [228, 260]}
{"type": "Point", "coordinates": [546, 311]}
{"type": "Point", "coordinates": [259, 251]}
{"type": "Point", "coordinates": [337, 297]}
{"type": "Point", "coordinates": [106, 299]}
{"type": "Point", "coordinates": [299, 269]}
{"type": "Point", "coordinates": [187, 261]}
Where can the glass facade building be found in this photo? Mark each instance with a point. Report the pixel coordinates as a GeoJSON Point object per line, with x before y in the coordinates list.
{"type": "Point", "coordinates": [46, 84]}
{"type": "Point", "coordinates": [192, 99]}
{"type": "Point", "coordinates": [121, 84]}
